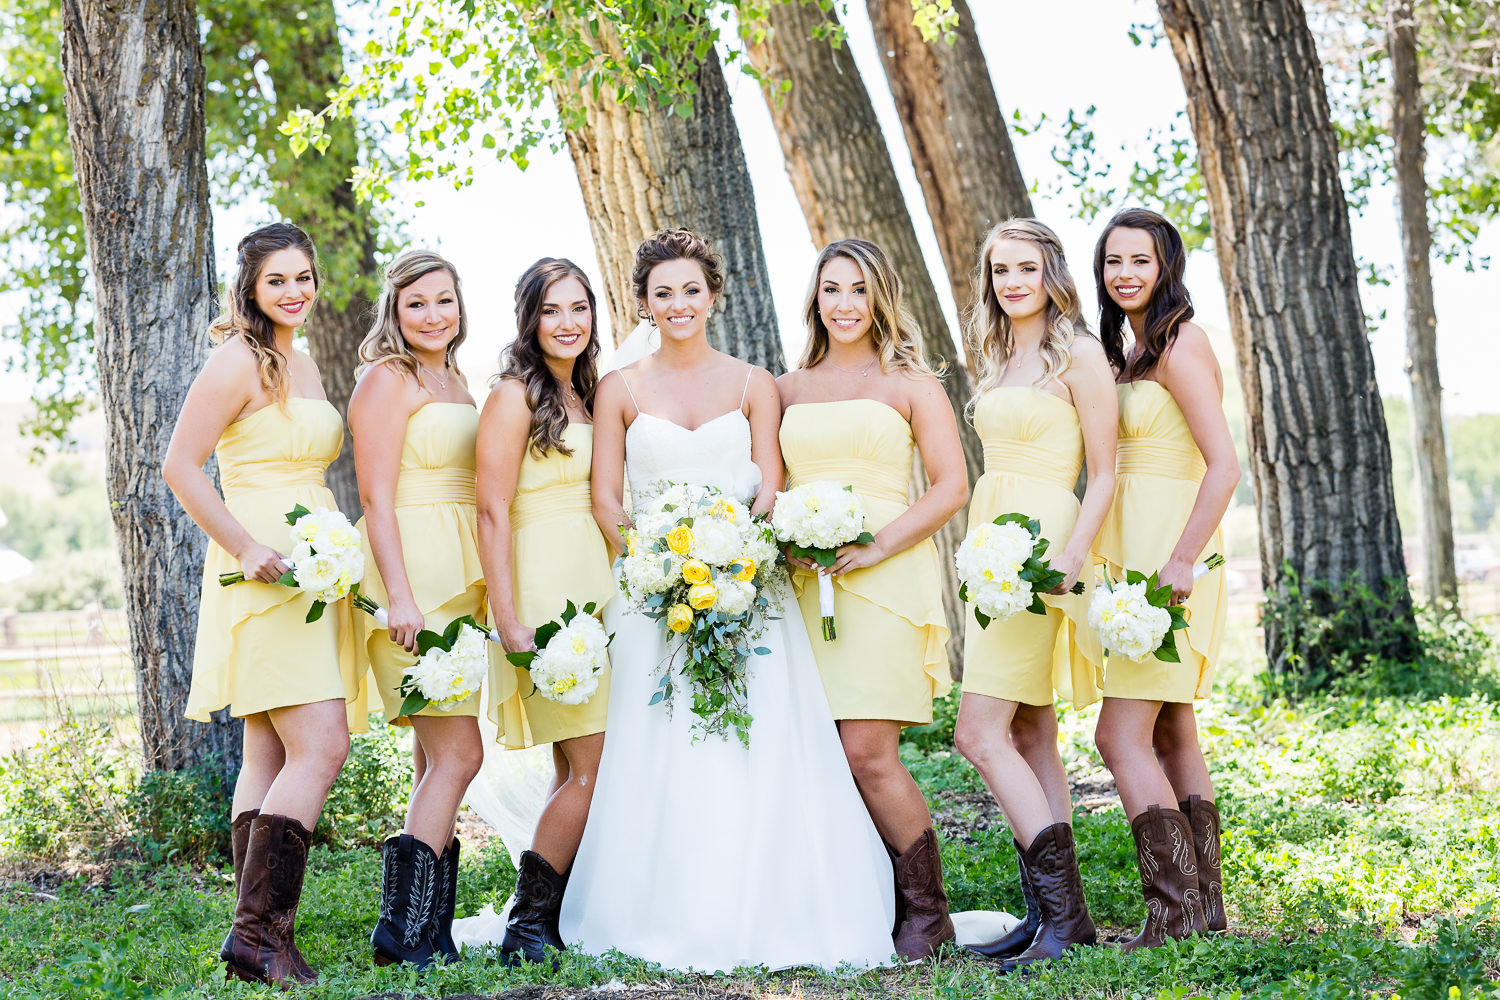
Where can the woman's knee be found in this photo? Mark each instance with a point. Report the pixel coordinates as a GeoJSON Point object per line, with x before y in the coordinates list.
{"type": "Point", "coordinates": [321, 758]}
{"type": "Point", "coordinates": [1175, 732]}
{"type": "Point", "coordinates": [1033, 732]}
{"type": "Point", "coordinates": [869, 758]}
{"type": "Point", "coordinates": [976, 743]}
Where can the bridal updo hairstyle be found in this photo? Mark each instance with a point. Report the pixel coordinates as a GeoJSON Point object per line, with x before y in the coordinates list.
{"type": "Point", "coordinates": [1170, 304]}
{"type": "Point", "coordinates": [243, 318]}
{"type": "Point", "coordinates": [893, 329]}
{"type": "Point", "coordinates": [674, 244]}
{"type": "Point", "coordinates": [990, 337]}
{"type": "Point", "coordinates": [524, 361]}
{"type": "Point", "coordinates": [384, 342]}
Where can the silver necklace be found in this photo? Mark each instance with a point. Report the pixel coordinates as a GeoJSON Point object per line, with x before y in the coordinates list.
{"type": "Point", "coordinates": [442, 382]}
{"type": "Point", "coordinates": [568, 393]}
{"type": "Point", "coordinates": [861, 372]}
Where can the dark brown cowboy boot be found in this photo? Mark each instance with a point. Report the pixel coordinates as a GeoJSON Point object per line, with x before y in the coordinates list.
{"type": "Point", "coordinates": [1018, 939]}
{"type": "Point", "coordinates": [239, 838]}
{"type": "Point", "coordinates": [1203, 817]}
{"type": "Point", "coordinates": [261, 946]}
{"type": "Point", "coordinates": [1052, 863]}
{"type": "Point", "coordinates": [532, 926]}
{"type": "Point", "coordinates": [919, 883]}
{"type": "Point", "coordinates": [900, 901]}
{"type": "Point", "coordinates": [1169, 877]}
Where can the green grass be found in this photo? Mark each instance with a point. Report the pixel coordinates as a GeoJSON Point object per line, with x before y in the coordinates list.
{"type": "Point", "coordinates": [1362, 847]}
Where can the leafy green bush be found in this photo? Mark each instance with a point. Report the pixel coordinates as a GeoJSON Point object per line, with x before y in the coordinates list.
{"type": "Point", "coordinates": [65, 796]}
{"type": "Point", "coordinates": [369, 797]}
{"type": "Point", "coordinates": [181, 815]}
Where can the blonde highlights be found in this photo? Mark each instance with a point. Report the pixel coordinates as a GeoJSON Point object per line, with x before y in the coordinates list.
{"type": "Point", "coordinates": [243, 318]}
{"type": "Point", "coordinates": [989, 332]}
{"type": "Point", "coordinates": [893, 330]}
{"type": "Point", "coordinates": [384, 343]}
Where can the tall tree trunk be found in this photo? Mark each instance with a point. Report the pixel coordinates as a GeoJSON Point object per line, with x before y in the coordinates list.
{"type": "Point", "coordinates": [641, 171]}
{"type": "Point", "coordinates": [304, 60]}
{"type": "Point", "coordinates": [1408, 127]}
{"type": "Point", "coordinates": [1318, 447]}
{"type": "Point", "coordinates": [955, 133]}
{"type": "Point", "coordinates": [846, 184]}
{"type": "Point", "coordinates": [134, 80]}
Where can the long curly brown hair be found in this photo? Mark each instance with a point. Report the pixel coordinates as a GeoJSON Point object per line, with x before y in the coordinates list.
{"type": "Point", "coordinates": [243, 318]}
{"type": "Point", "coordinates": [524, 361]}
{"type": "Point", "coordinates": [1170, 305]}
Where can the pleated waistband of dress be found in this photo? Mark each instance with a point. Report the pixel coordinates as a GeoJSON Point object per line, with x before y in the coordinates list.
{"type": "Point", "coordinates": [418, 487]}
{"type": "Point", "coordinates": [1149, 457]}
{"type": "Point", "coordinates": [1018, 458]}
{"type": "Point", "coordinates": [550, 503]}
{"type": "Point", "coordinates": [251, 477]}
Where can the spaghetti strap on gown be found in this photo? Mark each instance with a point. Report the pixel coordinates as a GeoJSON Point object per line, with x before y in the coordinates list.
{"type": "Point", "coordinates": [703, 854]}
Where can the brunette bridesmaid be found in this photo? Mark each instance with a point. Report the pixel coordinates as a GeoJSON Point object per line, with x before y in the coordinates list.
{"type": "Point", "coordinates": [1176, 472]}
{"type": "Point", "coordinates": [259, 407]}
{"type": "Point", "coordinates": [861, 400]}
{"type": "Point", "coordinates": [1046, 404]}
{"type": "Point", "coordinates": [542, 549]}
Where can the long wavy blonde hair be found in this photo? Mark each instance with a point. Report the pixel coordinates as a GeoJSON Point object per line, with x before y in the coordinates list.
{"type": "Point", "coordinates": [990, 336]}
{"type": "Point", "coordinates": [894, 331]}
{"type": "Point", "coordinates": [384, 343]}
{"type": "Point", "coordinates": [243, 318]}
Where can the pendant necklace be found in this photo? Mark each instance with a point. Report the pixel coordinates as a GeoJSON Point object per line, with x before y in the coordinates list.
{"type": "Point", "coordinates": [442, 382]}
{"type": "Point", "coordinates": [861, 372]}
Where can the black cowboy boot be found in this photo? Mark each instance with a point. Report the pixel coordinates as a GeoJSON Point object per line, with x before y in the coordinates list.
{"type": "Point", "coordinates": [408, 886]}
{"type": "Point", "coordinates": [532, 926]}
{"type": "Point", "coordinates": [1052, 863]}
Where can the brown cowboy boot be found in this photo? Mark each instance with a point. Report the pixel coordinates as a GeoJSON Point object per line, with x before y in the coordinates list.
{"type": "Point", "coordinates": [1019, 937]}
{"type": "Point", "coordinates": [261, 946]}
{"type": "Point", "coordinates": [239, 838]}
{"type": "Point", "coordinates": [1052, 863]}
{"type": "Point", "coordinates": [919, 882]}
{"type": "Point", "coordinates": [1203, 817]}
{"type": "Point", "coordinates": [900, 901]}
{"type": "Point", "coordinates": [1169, 877]}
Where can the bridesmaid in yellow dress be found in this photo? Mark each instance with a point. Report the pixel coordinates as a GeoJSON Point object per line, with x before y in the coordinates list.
{"type": "Point", "coordinates": [413, 423]}
{"type": "Point", "coordinates": [542, 549]}
{"type": "Point", "coordinates": [1046, 404]}
{"type": "Point", "coordinates": [1177, 471]}
{"type": "Point", "coordinates": [861, 400]}
{"type": "Point", "coordinates": [258, 404]}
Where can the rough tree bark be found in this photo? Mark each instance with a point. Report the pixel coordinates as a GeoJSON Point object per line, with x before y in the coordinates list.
{"type": "Point", "coordinates": [304, 60]}
{"type": "Point", "coordinates": [955, 133]}
{"type": "Point", "coordinates": [1408, 129]}
{"type": "Point", "coordinates": [134, 95]}
{"type": "Point", "coordinates": [1318, 446]}
{"type": "Point", "coordinates": [846, 184]}
{"type": "Point", "coordinates": [641, 171]}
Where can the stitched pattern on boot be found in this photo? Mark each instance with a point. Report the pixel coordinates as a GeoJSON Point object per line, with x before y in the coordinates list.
{"type": "Point", "coordinates": [1146, 861]}
{"type": "Point", "coordinates": [1182, 852]}
{"type": "Point", "coordinates": [1192, 906]}
{"type": "Point", "coordinates": [388, 884]}
{"type": "Point", "coordinates": [420, 899]}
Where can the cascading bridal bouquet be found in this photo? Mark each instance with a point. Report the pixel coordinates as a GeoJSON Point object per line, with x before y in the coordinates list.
{"type": "Point", "coordinates": [1136, 618]}
{"type": "Point", "coordinates": [813, 520]}
{"type": "Point", "coordinates": [570, 654]}
{"type": "Point", "coordinates": [1002, 568]}
{"type": "Point", "coordinates": [699, 564]}
{"type": "Point", "coordinates": [326, 559]}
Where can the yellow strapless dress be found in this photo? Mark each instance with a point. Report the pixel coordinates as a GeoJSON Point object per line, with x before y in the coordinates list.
{"type": "Point", "coordinates": [435, 513]}
{"type": "Point", "coordinates": [1033, 451]}
{"type": "Point", "coordinates": [254, 650]}
{"type": "Point", "coordinates": [1158, 469]}
{"type": "Point", "coordinates": [888, 661]}
{"type": "Point", "coordinates": [557, 556]}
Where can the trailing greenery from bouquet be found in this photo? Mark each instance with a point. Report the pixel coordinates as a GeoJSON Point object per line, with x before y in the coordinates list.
{"type": "Point", "coordinates": [450, 666]}
{"type": "Point", "coordinates": [1002, 570]}
{"type": "Point", "coordinates": [699, 565]}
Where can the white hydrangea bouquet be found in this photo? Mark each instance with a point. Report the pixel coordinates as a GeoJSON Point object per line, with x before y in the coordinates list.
{"type": "Point", "coordinates": [326, 559]}
{"type": "Point", "coordinates": [450, 667]}
{"type": "Point", "coordinates": [699, 564]}
{"type": "Point", "coordinates": [571, 653]}
{"type": "Point", "coordinates": [1002, 568]}
{"type": "Point", "coordinates": [813, 520]}
{"type": "Point", "coordinates": [1136, 618]}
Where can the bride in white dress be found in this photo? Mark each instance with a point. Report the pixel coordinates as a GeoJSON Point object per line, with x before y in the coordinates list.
{"type": "Point", "coordinates": [700, 853]}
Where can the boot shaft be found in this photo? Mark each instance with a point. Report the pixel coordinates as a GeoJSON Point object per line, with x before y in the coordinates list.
{"type": "Point", "coordinates": [919, 880]}
{"type": "Point", "coordinates": [1203, 818]}
{"type": "Point", "coordinates": [261, 945]}
{"type": "Point", "coordinates": [406, 930]}
{"type": "Point", "coordinates": [1169, 876]}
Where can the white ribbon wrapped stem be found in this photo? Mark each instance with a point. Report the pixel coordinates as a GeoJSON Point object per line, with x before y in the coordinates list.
{"type": "Point", "coordinates": [385, 620]}
{"type": "Point", "coordinates": [825, 604]}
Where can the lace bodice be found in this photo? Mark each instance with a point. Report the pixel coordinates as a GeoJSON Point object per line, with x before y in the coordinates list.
{"type": "Point", "coordinates": [717, 453]}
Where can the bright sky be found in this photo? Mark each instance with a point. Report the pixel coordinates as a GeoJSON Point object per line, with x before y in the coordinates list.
{"type": "Point", "coordinates": [540, 212]}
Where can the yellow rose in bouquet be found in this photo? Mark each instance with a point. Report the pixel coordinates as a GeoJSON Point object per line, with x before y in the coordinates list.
{"type": "Point", "coordinates": [680, 539]}
{"type": "Point", "coordinates": [744, 569]}
{"type": "Point", "coordinates": [680, 618]}
{"type": "Point", "coordinates": [702, 596]}
{"type": "Point", "coordinates": [696, 571]}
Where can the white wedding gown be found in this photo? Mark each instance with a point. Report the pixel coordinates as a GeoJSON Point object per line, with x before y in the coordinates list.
{"type": "Point", "coordinates": [704, 854]}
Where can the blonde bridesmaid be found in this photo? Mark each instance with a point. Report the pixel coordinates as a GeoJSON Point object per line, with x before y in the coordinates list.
{"type": "Point", "coordinates": [1177, 471]}
{"type": "Point", "coordinates": [1046, 404]}
{"type": "Point", "coordinates": [414, 424]}
{"type": "Point", "coordinates": [541, 550]}
{"type": "Point", "coordinates": [259, 407]}
{"type": "Point", "coordinates": [860, 402]}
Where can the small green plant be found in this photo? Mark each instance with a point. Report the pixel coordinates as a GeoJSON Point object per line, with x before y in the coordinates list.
{"type": "Point", "coordinates": [181, 815]}
{"type": "Point", "coordinates": [369, 797]}
{"type": "Point", "coordinates": [66, 795]}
